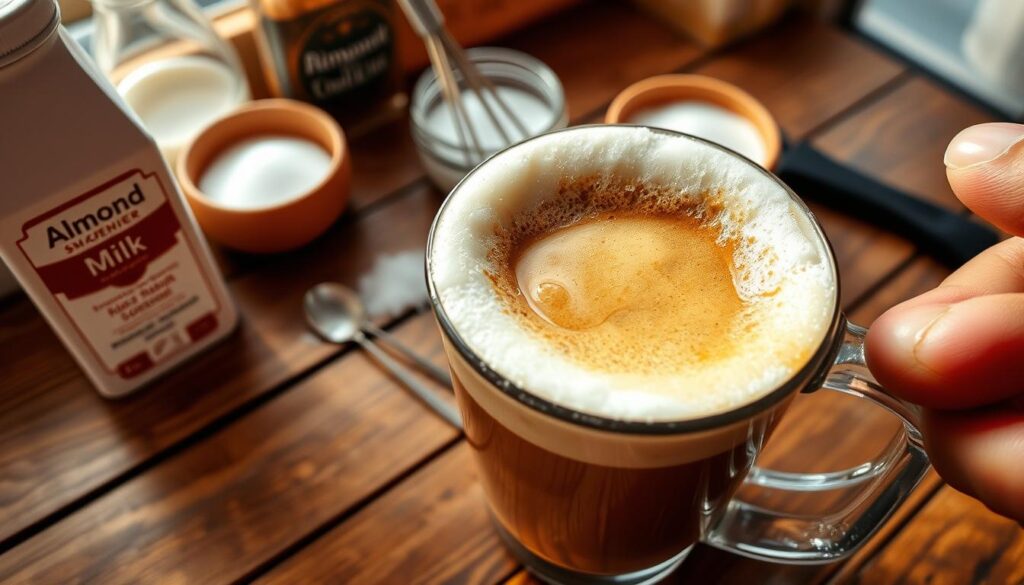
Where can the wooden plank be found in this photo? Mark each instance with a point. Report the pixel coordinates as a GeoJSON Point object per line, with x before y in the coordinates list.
{"type": "Point", "coordinates": [954, 540]}
{"type": "Point", "coordinates": [433, 528]}
{"type": "Point", "coordinates": [216, 511]}
{"type": "Point", "coordinates": [901, 138]}
{"type": "Point", "coordinates": [806, 72]}
{"type": "Point", "coordinates": [602, 47]}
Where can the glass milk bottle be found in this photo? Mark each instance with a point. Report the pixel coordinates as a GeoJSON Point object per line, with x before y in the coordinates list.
{"type": "Point", "coordinates": [168, 63]}
{"type": "Point", "coordinates": [91, 221]}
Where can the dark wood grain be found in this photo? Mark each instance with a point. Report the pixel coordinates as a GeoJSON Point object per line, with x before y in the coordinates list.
{"type": "Point", "coordinates": [953, 540]}
{"type": "Point", "coordinates": [806, 72]}
{"type": "Point", "coordinates": [216, 511]}
{"type": "Point", "coordinates": [599, 48]}
{"type": "Point", "coordinates": [901, 138]}
{"type": "Point", "coordinates": [433, 528]}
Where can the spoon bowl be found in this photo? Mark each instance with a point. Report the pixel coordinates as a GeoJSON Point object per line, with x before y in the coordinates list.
{"type": "Point", "coordinates": [334, 311]}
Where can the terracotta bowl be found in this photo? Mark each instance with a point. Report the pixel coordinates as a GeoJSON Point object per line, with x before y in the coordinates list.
{"type": "Point", "coordinates": [281, 226]}
{"type": "Point", "coordinates": [664, 89]}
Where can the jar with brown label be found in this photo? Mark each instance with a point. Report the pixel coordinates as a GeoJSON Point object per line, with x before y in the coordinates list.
{"type": "Point", "coordinates": [336, 54]}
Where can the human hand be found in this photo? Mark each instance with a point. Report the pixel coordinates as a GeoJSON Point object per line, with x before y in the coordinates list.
{"type": "Point", "coordinates": [958, 350]}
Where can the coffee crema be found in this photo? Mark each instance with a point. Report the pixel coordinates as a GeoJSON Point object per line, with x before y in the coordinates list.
{"type": "Point", "coordinates": [602, 289]}
{"type": "Point", "coordinates": [632, 275]}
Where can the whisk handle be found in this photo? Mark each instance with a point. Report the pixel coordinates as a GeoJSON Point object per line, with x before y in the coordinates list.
{"type": "Point", "coordinates": [424, 15]}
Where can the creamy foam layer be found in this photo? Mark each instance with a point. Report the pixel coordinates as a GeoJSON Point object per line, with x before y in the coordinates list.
{"type": "Point", "coordinates": [602, 288]}
{"type": "Point", "coordinates": [779, 267]}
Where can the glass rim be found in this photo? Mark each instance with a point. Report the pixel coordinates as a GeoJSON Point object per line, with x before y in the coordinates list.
{"type": "Point", "coordinates": [810, 373]}
{"type": "Point", "coordinates": [546, 82]}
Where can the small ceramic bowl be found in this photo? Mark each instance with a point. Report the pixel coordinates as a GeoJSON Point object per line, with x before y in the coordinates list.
{"type": "Point", "coordinates": [665, 89]}
{"type": "Point", "coordinates": [280, 226]}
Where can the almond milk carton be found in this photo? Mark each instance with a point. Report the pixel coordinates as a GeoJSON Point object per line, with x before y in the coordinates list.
{"type": "Point", "coordinates": [91, 220]}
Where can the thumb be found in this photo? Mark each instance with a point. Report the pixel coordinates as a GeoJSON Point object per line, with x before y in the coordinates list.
{"type": "Point", "coordinates": [985, 167]}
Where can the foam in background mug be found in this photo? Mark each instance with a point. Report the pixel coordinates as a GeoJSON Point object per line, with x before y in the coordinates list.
{"type": "Point", "coordinates": [627, 313]}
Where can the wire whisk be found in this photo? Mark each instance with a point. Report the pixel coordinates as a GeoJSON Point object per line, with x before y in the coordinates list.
{"type": "Point", "coordinates": [456, 74]}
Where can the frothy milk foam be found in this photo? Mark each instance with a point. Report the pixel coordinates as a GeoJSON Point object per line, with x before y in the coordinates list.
{"type": "Point", "coordinates": [782, 282]}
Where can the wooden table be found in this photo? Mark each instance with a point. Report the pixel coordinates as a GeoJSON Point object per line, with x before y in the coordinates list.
{"type": "Point", "coordinates": [280, 459]}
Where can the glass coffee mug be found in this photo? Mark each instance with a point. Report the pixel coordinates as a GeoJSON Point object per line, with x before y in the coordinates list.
{"type": "Point", "coordinates": [580, 498]}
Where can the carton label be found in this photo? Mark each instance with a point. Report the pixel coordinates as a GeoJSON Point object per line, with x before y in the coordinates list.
{"type": "Point", "coordinates": [117, 261]}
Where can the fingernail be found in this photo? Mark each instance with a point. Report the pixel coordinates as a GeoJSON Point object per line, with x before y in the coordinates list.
{"type": "Point", "coordinates": [913, 331]}
{"type": "Point", "coordinates": [982, 143]}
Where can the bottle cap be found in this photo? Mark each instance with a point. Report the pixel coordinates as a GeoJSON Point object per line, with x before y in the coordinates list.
{"type": "Point", "coordinates": [24, 25]}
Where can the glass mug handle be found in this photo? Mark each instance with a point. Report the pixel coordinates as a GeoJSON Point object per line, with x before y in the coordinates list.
{"type": "Point", "coordinates": [754, 531]}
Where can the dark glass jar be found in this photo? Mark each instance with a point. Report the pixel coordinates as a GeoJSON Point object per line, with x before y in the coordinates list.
{"type": "Point", "coordinates": [338, 55]}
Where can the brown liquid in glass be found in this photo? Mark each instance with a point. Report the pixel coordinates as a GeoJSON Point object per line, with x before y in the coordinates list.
{"type": "Point", "coordinates": [593, 518]}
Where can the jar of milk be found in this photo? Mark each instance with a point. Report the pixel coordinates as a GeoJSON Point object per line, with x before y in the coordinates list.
{"type": "Point", "coordinates": [169, 65]}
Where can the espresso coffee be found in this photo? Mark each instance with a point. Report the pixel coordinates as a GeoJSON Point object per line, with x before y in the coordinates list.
{"type": "Point", "coordinates": [622, 275]}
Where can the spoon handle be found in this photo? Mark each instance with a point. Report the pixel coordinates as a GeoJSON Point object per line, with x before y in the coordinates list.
{"type": "Point", "coordinates": [435, 402]}
{"type": "Point", "coordinates": [435, 372]}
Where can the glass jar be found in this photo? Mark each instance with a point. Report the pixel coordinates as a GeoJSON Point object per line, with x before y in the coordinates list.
{"type": "Point", "coordinates": [169, 65]}
{"type": "Point", "coordinates": [339, 55]}
{"type": "Point", "coordinates": [529, 87]}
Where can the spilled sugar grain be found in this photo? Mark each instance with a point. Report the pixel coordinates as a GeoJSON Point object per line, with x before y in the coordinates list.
{"type": "Point", "coordinates": [394, 285]}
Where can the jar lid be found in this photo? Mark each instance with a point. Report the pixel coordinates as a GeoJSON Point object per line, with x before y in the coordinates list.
{"type": "Point", "coordinates": [24, 25]}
